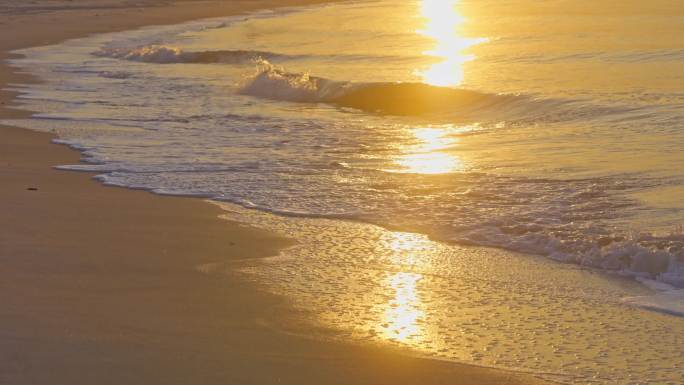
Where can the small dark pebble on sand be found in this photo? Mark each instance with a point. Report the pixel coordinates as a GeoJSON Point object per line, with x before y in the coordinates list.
{"type": "Point", "coordinates": [32, 188]}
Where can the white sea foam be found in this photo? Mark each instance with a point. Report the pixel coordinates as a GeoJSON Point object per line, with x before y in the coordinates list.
{"type": "Point", "coordinates": [276, 83]}
{"type": "Point", "coordinates": [668, 302]}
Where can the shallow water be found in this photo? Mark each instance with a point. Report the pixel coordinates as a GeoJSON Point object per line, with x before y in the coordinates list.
{"type": "Point", "coordinates": [549, 128]}
{"type": "Point", "coordinates": [481, 306]}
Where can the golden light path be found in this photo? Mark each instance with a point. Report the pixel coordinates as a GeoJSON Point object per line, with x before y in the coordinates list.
{"type": "Point", "coordinates": [442, 23]}
{"type": "Point", "coordinates": [404, 313]}
{"type": "Point", "coordinates": [429, 156]}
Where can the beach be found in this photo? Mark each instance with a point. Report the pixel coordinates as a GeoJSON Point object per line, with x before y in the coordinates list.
{"type": "Point", "coordinates": [101, 284]}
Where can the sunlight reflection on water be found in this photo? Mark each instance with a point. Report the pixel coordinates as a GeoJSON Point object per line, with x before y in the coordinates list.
{"type": "Point", "coordinates": [442, 22]}
{"type": "Point", "coordinates": [403, 311]}
{"type": "Point", "coordinates": [429, 155]}
{"type": "Point", "coordinates": [472, 305]}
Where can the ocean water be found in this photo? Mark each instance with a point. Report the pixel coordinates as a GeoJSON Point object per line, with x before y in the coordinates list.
{"type": "Point", "coordinates": [552, 129]}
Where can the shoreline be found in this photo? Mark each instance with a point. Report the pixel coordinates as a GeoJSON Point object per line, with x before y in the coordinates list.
{"type": "Point", "coordinates": [100, 282]}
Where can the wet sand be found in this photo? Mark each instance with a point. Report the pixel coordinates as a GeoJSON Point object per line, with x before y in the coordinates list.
{"type": "Point", "coordinates": [99, 284]}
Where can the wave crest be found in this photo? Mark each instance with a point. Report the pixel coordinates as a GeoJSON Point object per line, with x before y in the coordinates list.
{"type": "Point", "coordinates": [271, 82]}
{"type": "Point", "coordinates": [162, 54]}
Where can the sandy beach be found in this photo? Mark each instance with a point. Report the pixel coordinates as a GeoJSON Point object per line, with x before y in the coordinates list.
{"type": "Point", "coordinates": [99, 285]}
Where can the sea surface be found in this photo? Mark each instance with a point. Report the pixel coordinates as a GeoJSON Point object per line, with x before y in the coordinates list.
{"type": "Point", "coordinates": [454, 166]}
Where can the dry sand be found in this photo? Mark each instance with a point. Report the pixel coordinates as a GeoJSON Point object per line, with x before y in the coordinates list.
{"type": "Point", "coordinates": [98, 285]}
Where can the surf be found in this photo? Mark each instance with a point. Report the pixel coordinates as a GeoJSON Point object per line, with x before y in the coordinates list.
{"type": "Point", "coordinates": [165, 54]}
{"type": "Point", "coordinates": [394, 98]}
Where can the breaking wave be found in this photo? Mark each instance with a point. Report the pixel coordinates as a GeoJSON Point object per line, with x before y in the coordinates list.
{"type": "Point", "coordinates": [272, 82]}
{"type": "Point", "coordinates": [162, 54]}
{"type": "Point", "coordinates": [641, 255]}
{"type": "Point", "coordinates": [415, 99]}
